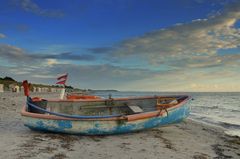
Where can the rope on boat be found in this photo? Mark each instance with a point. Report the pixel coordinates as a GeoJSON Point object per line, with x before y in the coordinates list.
{"type": "Point", "coordinates": [66, 115]}
{"type": "Point", "coordinates": [165, 108]}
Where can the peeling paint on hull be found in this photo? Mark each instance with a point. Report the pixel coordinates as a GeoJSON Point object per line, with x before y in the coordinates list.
{"type": "Point", "coordinates": [105, 127]}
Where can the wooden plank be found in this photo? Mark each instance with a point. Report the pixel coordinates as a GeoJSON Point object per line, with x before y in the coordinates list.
{"type": "Point", "coordinates": [135, 108]}
{"type": "Point", "coordinates": [174, 102]}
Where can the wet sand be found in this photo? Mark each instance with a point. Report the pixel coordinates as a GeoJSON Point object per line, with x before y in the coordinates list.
{"type": "Point", "coordinates": [187, 139]}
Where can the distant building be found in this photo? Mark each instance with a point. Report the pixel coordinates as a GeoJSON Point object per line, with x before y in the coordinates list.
{"type": "Point", "coordinates": [1, 87]}
{"type": "Point", "coordinates": [14, 88]}
{"type": "Point", "coordinates": [34, 89]}
{"type": "Point", "coordinates": [22, 89]}
{"type": "Point", "coordinates": [39, 89]}
{"type": "Point", "coordinates": [44, 89]}
{"type": "Point", "coordinates": [53, 90]}
{"type": "Point", "coordinates": [11, 86]}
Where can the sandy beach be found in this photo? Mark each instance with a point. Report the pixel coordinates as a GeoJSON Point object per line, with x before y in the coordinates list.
{"type": "Point", "coordinates": [188, 139]}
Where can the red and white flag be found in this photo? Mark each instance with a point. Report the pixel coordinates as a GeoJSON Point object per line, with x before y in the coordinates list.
{"type": "Point", "coordinates": [62, 79]}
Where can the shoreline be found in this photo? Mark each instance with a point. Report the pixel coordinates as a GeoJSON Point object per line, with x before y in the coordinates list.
{"type": "Point", "coordinates": [188, 139]}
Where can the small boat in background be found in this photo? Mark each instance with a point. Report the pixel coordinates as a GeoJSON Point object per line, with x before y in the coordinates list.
{"type": "Point", "coordinates": [103, 116]}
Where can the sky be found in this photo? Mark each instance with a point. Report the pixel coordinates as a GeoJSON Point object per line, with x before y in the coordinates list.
{"type": "Point", "coordinates": [128, 45]}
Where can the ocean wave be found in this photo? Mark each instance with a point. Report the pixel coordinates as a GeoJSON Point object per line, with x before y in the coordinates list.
{"type": "Point", "coordinates": [206, 107]}
{"type": "Point", "coordinates": [233, 132]}
{"type": "Point", "coordinates": [215, 108]}
{"type": "Point", "coordinates": [230, 125]}
{"type": "Point", "coordinates": [235, 110]}
{"type": "Point", "coordinates": [223, 121]}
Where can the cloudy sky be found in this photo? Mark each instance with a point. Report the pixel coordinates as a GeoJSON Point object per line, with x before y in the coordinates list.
{"type": "Point", "coordinates": [145, 45]}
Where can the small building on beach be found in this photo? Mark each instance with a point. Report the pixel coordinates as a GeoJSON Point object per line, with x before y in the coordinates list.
{"type": "Point", "coordinates": [1, 87]}
{"type": "Point", "coordinates": [39, 89]}
{"type": "Point", "coordinates": [14, 88]}
{"type": "Point", "coordinates": [22, 89]}
{"type": "Point", "coordinates": [34, 89]}
{"type": "Point", "coordinates": [46, 89]}
{"type": "Point", "coordinates": [53, 90]}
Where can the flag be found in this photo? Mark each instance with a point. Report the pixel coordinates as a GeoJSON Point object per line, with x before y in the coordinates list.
{"type": "Point", "coordinates": [62, 79]}
{"type": "Point", "coordinates": [61, 82]}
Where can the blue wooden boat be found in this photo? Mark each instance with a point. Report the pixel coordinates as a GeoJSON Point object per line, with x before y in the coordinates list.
{"type": "Point", "coordinates": [104, 116]}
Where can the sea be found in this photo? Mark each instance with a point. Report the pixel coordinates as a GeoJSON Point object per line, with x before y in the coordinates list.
{"type": "Point", "coordinates": [220, 109]}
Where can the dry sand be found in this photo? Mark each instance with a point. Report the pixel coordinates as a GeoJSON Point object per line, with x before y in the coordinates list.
{"type": "Point", "coordinates": [188, 139]}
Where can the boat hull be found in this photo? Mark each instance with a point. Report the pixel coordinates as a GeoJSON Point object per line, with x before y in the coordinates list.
{"type": "Point", "coordinates": [106, 127]}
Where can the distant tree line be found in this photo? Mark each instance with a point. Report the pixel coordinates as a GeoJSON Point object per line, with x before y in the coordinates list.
{"type": "Point", "coordinates": [9, 80]}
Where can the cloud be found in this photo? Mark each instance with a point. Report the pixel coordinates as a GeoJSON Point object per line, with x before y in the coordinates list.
{"type": "Point", "coordinates": [44, 67]}
{"type": "Point", "coordinates": [51, 62]}
{"type": "Point", "coordinates": [21, 27]}
{"type": "Point", "coordinates": [202, 37]}
{"type": "Point", "coordinates": [65, 56]}
{"type": "Point", "coordinates": [101, 50]}
{"type": "Point", "coordinates": [206, 61]}
{"type": "Point", "coordinates": [14, 27]}
{"type": "Point", "coordinates": [13, 54]}
{"type": "Point", "coordinates": [115, 77]}
{"type": "Point", "coordinates": [102, 76]}
{"type": "Point", "coordinates": [2, 35]}
{"type": "Point", "coordinates": [17, 55]}
{"type": "Point", "coordinates": [193, 80]}
{"type": "Point", "coordinates": [44, 76]}
{"type": "Point", "coordinates": [102, 73]}
{"type": "Point", "coordinates": [30, 6]}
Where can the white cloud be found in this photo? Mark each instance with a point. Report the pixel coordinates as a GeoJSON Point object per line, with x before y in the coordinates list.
{"type": "Point", "coordinates": [44, 76]}
{"type": "Point", "coordinates": [202, 37]}
{"type": "Point", "coordinates": [14, 54]}
{"type": "Point", "coordinates": [30, 6]}
{"type": "Point", "coordinates": [51, 62]}
{"type": "Point", "coordinates": [193, 80]}
{"type": "Point", "coordinates": [20, 56]}
{"type": "Point", "coordinates": [2, 36]}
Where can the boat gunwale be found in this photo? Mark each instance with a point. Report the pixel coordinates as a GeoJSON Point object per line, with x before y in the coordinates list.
{"type": "Point", "coordinates": [131, 117]}
{"type": "Point", "coordinates": [107, 99]}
